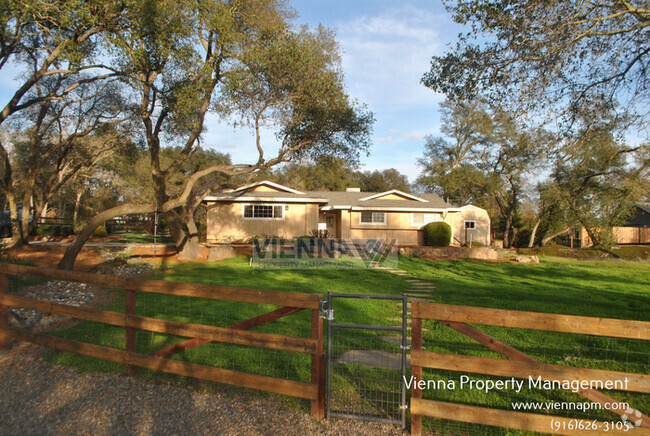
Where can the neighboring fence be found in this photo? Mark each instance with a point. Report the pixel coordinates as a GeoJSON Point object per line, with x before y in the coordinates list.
{"type": "Point", "coordinates": [632, 235]}
{"type": "Point", "coordinates": [520, 366]}
{"type": "Point", "coordinates": [622, 235]}
{"type": "Point", "coordinates": [236, 334]}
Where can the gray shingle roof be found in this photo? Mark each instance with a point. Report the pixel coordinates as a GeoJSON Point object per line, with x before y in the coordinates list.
{"type": "Point", "coordinates": [334, 198]}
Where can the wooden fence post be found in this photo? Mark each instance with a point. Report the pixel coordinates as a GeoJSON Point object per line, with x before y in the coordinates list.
{"type": "Point", "coordinates": [318, 370]}
{"type": "Point", "coordinates": [130, 331]}
{"type": "Point", "coordinates": [4, 310]}
{"type": "Point", "coordinates": [416, 372]}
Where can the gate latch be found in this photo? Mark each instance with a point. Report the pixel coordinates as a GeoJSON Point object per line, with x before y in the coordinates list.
{"type": "Point", "coordinates": [327, 314]}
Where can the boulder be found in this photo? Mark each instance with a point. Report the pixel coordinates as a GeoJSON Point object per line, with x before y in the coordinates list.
{"type": "Point", "coordinates": [406, 252]}
{"type": "Point", "coordinates": [523, 259]}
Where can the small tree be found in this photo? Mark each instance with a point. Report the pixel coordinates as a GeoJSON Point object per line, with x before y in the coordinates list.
{"type": "Point", "coordinates": [437, 234]}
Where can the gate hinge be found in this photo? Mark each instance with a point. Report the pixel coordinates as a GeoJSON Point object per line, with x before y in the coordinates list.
{"type": "Point", "coordinates": [403, 407]}
{"type": "Point", "coordinates": [402, 347]}
{"type": "Point", "coordinates": [327, 314]}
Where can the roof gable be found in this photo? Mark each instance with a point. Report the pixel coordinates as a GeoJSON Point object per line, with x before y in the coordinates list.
{"type": "Point", "coordinates": [267, 186]}
{"type": "Point", "coordinates": [393, 194]}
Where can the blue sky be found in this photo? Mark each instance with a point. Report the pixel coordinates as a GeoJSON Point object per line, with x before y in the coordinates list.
{"type": "Point", "coordinates": [386, 48]}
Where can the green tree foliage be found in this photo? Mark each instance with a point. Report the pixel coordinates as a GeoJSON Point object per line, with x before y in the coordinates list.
{"type": "Point", "coordinates": [437, 234]}
{"type": "Point", "coordinates": [55, 141]}
{"type": "Point", "coordinates": [597, 175]}
{"type": "Point", "coordinates": [485, 158]}
{"type": "Point", "coordinates": [532, 53]}
{"type": "Point", "coordinates": [52, 43]}
{"type": "Point", "coordinates": [329, 173]}
{"type": "Point", "coordinates": [241, 61]}
{"type": "Point", "coordinates": [382, 180]}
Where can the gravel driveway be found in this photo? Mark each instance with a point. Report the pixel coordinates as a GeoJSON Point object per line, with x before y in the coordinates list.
{"type": "Point", "coordinates": [38, 398]}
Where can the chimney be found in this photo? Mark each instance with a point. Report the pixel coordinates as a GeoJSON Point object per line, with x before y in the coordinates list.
{"type": "Point", "coordinates": [352, 189]}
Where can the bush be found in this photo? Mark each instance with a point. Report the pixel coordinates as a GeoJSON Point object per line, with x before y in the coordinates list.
{"type": "Point", "coordinates": [100, 232]}
{"type": "Point", "coordinates": [437, 234]}
{"type": "Point", "coordinates": [54, 230]}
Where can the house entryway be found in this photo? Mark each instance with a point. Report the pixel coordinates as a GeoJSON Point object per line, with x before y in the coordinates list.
{"type": "Point", "coordinates": [366, 364]}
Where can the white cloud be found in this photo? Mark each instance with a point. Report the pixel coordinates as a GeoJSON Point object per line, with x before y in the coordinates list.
{"type": "Point", "coordinates": [385, 55]}
{"type": "Point", "coordinates": [384, 139]}
{"type": "Point", "coordinates": [416, 136]}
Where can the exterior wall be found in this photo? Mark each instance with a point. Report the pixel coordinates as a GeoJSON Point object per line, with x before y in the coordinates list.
{"type": "Point", "coordinates": [345, 224]}
{"type": "Point", "coordinates": [226, 223]}
{"type": "Point", "coordinates": [398, 226]}
{"type": "Point", "coordinates": [480, 234]}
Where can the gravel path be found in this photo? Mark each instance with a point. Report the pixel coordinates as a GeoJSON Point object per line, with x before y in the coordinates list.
{"type": "Point", "coordinates": [38, 398]}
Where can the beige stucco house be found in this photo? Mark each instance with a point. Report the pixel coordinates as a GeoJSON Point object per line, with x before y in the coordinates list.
{"type": "Point", "coordinates": [272, 210]}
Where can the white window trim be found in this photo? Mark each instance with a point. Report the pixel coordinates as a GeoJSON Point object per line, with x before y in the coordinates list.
{"type": "Point", "coordinates": [436, 216]}
{"type": "Point", "coordinates": [243, 206]}
{"type": "Point", "coordinates": [469, 221]}
{"type": "Point", "coordinates": [373, 224]}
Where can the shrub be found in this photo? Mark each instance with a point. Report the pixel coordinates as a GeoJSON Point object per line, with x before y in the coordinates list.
{"type": "Point", "coordinates": [100, 231]}
{"type": "Point", "coordinates": [320, 234]}
{"type": "Point", "coordinates": [54, 229]}
{"type": "Point", "coordinates": [437, 234]}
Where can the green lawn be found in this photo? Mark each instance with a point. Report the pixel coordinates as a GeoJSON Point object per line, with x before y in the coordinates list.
{"type": "Point", "coordinates": [141, 238]}
{"type": "Point", "coordinates": [613, 289]}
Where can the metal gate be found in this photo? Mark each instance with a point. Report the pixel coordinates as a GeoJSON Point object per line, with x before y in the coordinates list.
{"type": "Point", "coordinates": [366, 364]}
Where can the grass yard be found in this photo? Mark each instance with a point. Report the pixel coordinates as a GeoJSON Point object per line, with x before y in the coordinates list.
{"type": "Point", "coordinates": [612, 289]}
{"type": "Point", "coordinates": [141, 238]}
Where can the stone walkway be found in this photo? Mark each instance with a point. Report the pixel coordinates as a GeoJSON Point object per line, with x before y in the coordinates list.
{"type": "Point", "coordinates": [417, 289]}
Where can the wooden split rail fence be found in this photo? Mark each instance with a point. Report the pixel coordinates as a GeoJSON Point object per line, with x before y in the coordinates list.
{"type": "Point", "coordinates": [519, 366]}
{"type": "Point", "coordinates": [200, 334]}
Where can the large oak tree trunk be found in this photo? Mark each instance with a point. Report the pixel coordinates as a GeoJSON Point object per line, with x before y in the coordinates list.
{"type": "Point", "coordinates": [533, 233]}
{"type": "Point", "coordinates": [16, 237]}
{"type": "Point", "coordinates": [506, 232]}
{"type": "Point", "coordinates": [546, 239]}
{"type": "Point", "coordinates": [68, 260]}
{"type": "Point", "coordinates": [191, 250]}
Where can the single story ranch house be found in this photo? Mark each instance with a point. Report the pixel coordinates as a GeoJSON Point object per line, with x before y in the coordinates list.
{"type": "Point", "coordinates": [270, 209]}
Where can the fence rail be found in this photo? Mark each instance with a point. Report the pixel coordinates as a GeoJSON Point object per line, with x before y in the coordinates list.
{"type": "Point", "coordinates": [201, 334]}
{"type": "Point", "coordinates": [520, 366]}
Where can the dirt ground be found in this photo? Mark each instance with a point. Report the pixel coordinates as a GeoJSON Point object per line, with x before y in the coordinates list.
{"type": "Point", "coordinates": [49, 255]}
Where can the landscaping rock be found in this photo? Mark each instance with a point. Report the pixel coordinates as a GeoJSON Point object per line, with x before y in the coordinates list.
{"type": "Point", "coordinates": [524, 259]}
{"type": "Point", "coordinates": [133, 268]}
{"type": "Point", "coordinates": [481, 253]}
{"type": "Point", "coordinates": [221, 252]}
{"type": "Point", "coordinates": [406, 252]}
{"type": "Point", "coordinates": [190, 251]}
{"type": "Point", "coordinates": [534, 259]}
{"type": "Point", "coordinates": [71, 294]}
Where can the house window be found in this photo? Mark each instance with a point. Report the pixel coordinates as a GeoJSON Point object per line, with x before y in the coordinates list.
{"type": "Point", "coordinates": [263, 211]}
{"type": "Point", "coordinates": [470, 225]}
{"type": "Point", "coordinates": [421, 219]}
{"type": "Point", "coordinates": [373, 218]}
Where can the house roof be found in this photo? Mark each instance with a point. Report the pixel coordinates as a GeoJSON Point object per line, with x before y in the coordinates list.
{"type": "Point", "coordinates": [332, 200]}
{"type": "Point", "coordinates": [360, 201]}
{"type": "Point", "coordinates": [644, 206]}
{"type": "Point", "coordinates": [268, 183]}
